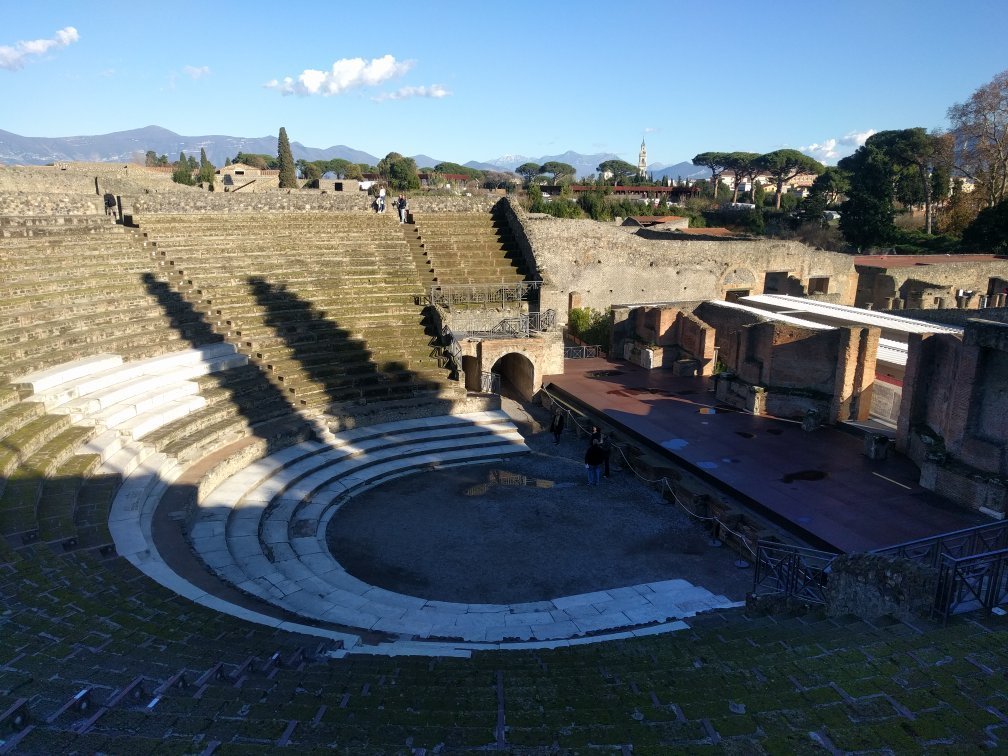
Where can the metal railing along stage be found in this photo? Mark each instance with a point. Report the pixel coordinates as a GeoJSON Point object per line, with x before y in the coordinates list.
{"type": "Point", "coordinates": [488, 293]}
{"type": "Point", "coordinates": [583, 352]}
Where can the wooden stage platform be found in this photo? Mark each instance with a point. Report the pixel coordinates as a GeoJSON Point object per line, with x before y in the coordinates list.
{"type": "Point", "coordinates": [816, 484]}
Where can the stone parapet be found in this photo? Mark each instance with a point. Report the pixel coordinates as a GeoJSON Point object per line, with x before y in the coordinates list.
{"type": "Point", "coordinates": [283, 200]}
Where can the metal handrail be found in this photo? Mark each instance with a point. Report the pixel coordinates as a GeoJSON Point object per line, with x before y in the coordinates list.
{"type": "Point", "coordinates": [970, 583]}
{"type": "Point", "coordinates": [489, 382]}
{"type": "Point", "coordinates": [583, 352]}
{"type": "Point", "coordinates": [794, 571]}
{"type": "Point", "coordinates": [518, 326]}
{"type": "Point", "coordinates": [486, 293]}
{"type": "Point", "coordinates": [978, 539]}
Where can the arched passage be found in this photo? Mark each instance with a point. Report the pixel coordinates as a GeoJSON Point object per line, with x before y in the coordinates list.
{"type": "Point", "coordinates": [517, 374]}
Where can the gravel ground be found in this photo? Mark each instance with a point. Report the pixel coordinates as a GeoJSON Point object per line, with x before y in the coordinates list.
{"type": "Point", "coordinates": [537, 531]}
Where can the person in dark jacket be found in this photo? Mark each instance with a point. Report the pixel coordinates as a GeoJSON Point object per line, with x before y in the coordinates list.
{"type": "Point", "coordinates": [594, 459]}
{"type": "Point", "coordinates": [557, 426]}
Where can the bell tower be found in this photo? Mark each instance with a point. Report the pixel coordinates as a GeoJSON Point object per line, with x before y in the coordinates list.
{"type": "Point", "coordinates": [642, 160]}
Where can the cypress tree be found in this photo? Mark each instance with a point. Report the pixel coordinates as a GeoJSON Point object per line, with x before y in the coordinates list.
{"type": "Point", "coordinates": [206, 169]}
{"type": "Point", "coordinates": [288, 179]}
{"type": "Point", "coordinates": [183, 171]}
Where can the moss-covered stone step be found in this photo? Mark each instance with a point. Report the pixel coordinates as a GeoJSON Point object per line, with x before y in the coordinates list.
{"type": "Point", "coordinates": [94, 500]}
{"type": "Point", "coordinates": [58, 499]}
{"type": "Point", "coordinates": [20, 496]}
{"type": "Point", "coordinates": [15, 416]}
{"type": "Point", "coordinates": [9, 396]}
{"type": "Point", "coordinates": [76, 344]}
{"type": "Point", "coordinates": [27, 439]}
{"type": "Point", "coordinates": [46, 314]}
{"type": "Point", "coordinates": [29, 342]}
{"type": "Point", "coordinates": [74, 284]}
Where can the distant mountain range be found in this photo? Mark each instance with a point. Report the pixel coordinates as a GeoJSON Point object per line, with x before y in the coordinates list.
{"type": "Point", "coordinates": [130, 146]}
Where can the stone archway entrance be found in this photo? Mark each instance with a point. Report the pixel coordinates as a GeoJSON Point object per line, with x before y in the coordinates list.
{"type": "Point", "coordinates": [517, 375]}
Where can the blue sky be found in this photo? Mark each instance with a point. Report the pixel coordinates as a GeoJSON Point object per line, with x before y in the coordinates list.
{"type": "Point", "coordinates": [475, 80]}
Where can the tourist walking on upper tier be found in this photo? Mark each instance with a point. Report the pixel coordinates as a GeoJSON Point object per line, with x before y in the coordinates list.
{"type": "Point", "coordinates": [557, 426]}
{"type": "Point", "coordinates": [381, 199]}
{"type": "Point", "coordinates": [403, 207]}
{"type": "Point", "coordinates": [594, 458]}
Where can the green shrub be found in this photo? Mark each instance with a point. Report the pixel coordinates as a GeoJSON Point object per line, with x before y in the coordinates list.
{"type": "Point", "coordinates": [591, 326]}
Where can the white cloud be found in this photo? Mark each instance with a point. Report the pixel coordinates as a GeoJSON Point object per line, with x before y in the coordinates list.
{"type": "Point", "coordinates": [345, 74]}
{"type": "Point", "coordinates": [857, 138]}
{"type": "Point", "coordinates": [434, 90]}
{"type": "Point", "coordinates": [651, 129]}
{"type": "Point", "coordinates": [832, 149]}
{"type": "Point", "coordinates": [196, 72]}
{"type": "Point", "coordinates": [13, 58]}
{"type": "Point", "coordinates": [823, 152]}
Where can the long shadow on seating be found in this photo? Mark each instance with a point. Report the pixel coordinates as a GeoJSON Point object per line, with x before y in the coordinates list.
{"type": "Point", "coordinates": [256, 398]}
{"type": "Point", "coordinates": [332, 357]}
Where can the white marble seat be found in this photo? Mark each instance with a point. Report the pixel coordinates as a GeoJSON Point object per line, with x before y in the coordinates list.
{"type": "Point", "coordinates": [264, 497]}
{"type": "Point", "coordinates": [43, 380]}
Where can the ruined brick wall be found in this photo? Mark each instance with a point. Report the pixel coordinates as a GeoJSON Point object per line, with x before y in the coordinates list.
{"type": "Point", "coordinates": [697, 338]}
{"type": "Point", "coordinates": [954, 317]}
{"type": "Point", "coordinates": [828, 370]}
{"type": "Point", "coordinates": [919, 286]}
{"type": "Point", "coordinates": [871, 586]}
{"type": "Point", "coordinates": [954, 413]}
{"type": "Point", "coordinates": [603, 265]}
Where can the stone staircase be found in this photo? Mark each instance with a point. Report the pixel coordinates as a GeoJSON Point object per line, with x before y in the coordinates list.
{"type": "Point", "coordinates": [464, 248]}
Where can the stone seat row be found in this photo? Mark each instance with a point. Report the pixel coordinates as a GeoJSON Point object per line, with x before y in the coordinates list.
{"type": "Point", "coordinates": [48, 269]}
{"type": "Point", "coordinates": [121, 402]}
{"type": "Point", "coordinates": [117, 412]}
{"type": "Point", "coordinates": [166, 240]}
{"type": "Point", "coordinates": [131, 346]}
{"type": "Point", "coordinates": [60, 286]}
{"type": "Point", "coordinates": [92, 245]}
{"type": "Point", "coordinates": [239, 308]}
{"type": "Point", "coordinates": [132, 509]}
{"type": "Point", "coordinates": [18, 343]}
{"type": "Point", "coordinates": [388, 328]}
{"type": "Point", "coordinates": [44, 311]}
{"type": "Point", "coordinates": [295, 244]}
{"type": "Point", "coordinates": [52, 221]}
{"type": "Point", "coordinates": [208, 280]}
{"type": "Point", "coordinates": [37, 345]}
{"type": "Point", "coordinates": [69, 232]}
{"type": "Point", "coordinates": [273, 220]}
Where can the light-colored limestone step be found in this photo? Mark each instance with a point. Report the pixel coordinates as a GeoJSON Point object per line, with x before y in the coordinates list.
{"type": "Point", "coordinates": [147, 387]}
{"type": "Point", "coordinates": [147, 422]}
{"type": "Point", "coordinates": [43, 380]}
{"type": "Point", "coordinates": [121, 413]}
{"type": "Point", "coordinates": [127, 459]}
{"type": "Point", "coordinates": [264, 579]}
{"type": "Point", "coordinates": [104, 444]}
{"type": "Point", "coordinates": [118, 375]}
